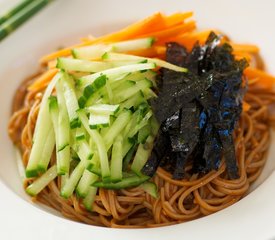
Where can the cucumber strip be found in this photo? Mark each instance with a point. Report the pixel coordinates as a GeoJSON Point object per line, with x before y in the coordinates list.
{"type": "Point", "coordinates": [144, 133]}
{"type": "Point", "coordinates": [70, 99]}
{"type": "Point", "coordinates": [89, 199]}
{"type": "Point", "coordinates": [64, 179]}
{"type": "Point", "coordinates": [109, 92]}
{"type": "Point", "coordinates": [97, 121]}
{"type": "Point", "coordinates": [80, 134]}
{"type": "Point", "coordinates": [99, 142]}
{"type": "Point", "coordinates": [41, 132]}
{"type": "Point", "coordinates": [155, 125]}
{"type": "Point", "coordinates": [97, 50]}
{"type": "Point", "coordinates": [114, 74]}
{"type": "Point", "coordinates": [126, 57]}
{"type": "Point", "coordinates": [142, 155]}
{"type": "Point", "coordinates": [137, 76]}
{"type": "Point", "coordinates": [124, 85]}
{"type": "Point", "coordinates": [116, 160]}
{"type": "Point", "coordinates": [40, 183]}
{"type": "Point", "coordinates": [126, 146]}
{"type": "Point", "coordinates": [149, 93]}
{"type": "Point", "coordinates": [128, 157]}
{"type": "Point", "coordinates": [72, 181]}
{"type": "Point", "coordinates": [104, 109]}
{"type": "Point", "coordinates": [151, 188]}
{"type": "Point", "coordinates": [84, 151]}
{"type": "Point", "coordinates": [116, 128]}
{"type": "Point", "coordinates": [133, 45]}
{"type": "Point", "coordinates": [124, 183]}
{"type": "Point", "coordinates": [46, 154]}
{"type": "Point", "coordinates": [133, 131]}
{"type": "Point", "coordinates": [91, 52]}
{"type": "Point", "coordinates": [63, 123]}
{"type": "Point", "coordinates": [133, 101]}
{"type": "Point", "coordinates": [70, 64]}
{"type": "Point", "coordinates": [123, 95]}
{"type": "Point", "coordinates": [85, 182]}
{"type": "Point", "coordinates": [92, 88]}
{"type": "Point", "coordinates": [60, 154]}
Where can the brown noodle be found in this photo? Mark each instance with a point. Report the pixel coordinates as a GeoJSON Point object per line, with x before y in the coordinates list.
{"type": "Point", "coordinates": [179, 200]}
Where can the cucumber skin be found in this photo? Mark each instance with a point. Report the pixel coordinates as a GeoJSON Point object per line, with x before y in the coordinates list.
{"type": "Point", "coordinates": [124, 183]}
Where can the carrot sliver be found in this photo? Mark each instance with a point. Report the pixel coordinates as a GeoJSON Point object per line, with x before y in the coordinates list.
{"type": "Point", "coordinates": [246, 106]}
{"type": "Point", "coordinates": [245, 48]}
{"type": "Point", "coordinates": [265, 80]}
{"type": "Point", "coordinates": [43, 80]}
{"type": "Point", "coordinates": [189, 39]}
{"type": "Point", "coordinates": [52, 64]}
{"type": "Point", "coordinates": [177, 18]}
{"type": "Point", "coordinates": [163, 35]}
{"type": "Point", "coordinates": [152, 23]}
{"type": "Point", "coordinates": [241, 55]}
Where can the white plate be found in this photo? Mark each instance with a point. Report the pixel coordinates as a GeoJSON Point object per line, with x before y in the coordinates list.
{"type": "Point", "coordinates": [62, 23]}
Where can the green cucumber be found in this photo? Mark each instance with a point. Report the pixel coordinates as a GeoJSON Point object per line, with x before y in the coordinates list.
{"type": "Point", "coordinates": [47, 151]}
{"type": "Point", "coordinates": [144, 133]}
{"type": "Point", "coordinates": [151, 188]}
{"type": "Point", "coordinates": [133, 101]}
{"type": "Point", "coordinates": [40, 183]}
{"type": "Point", "coordinates": [73, 180]}
{"type": "Point", "coordinates": [85, 182]}
{"type": "Point", "coordinates": [89, 199]}
{"type": "Point", "coordinates": [124, 94]}
{"type": "Point", "coordinates": [126, 182]}
{"type": "Point", "coordinates": [128, 157]}
{"type": "Point", "coordinates": [41, 132]}
{"type": "Point", "coordinates": [105, 109]}
{"type": "Point", "coordinates": [62, 154]}
{"type": "Point", "coordinates": [142, 155]}
{"type": "Point", "coordinates": [116, 128]}
{"type": "Point", "coordinates": [114, 74]}
{"type": "Point", "coordinates": [100, 145]}
{"type": "Point", "coordinates": [116, 160]}
{"type": "Point", "coordinates": [70, 64]}
{"type": "Point", "coordinates": [97, 121]}
{"type": "Point", "coordinates": [133, 45]}
{"type": "Point", "coordinates": [70, 99]}
{"type": "Point", "coordinates": [96, 51]}
{"type": "Point", "coordinates": [126, 57]}
{"type": "Point", "coordinates": [91, 52]}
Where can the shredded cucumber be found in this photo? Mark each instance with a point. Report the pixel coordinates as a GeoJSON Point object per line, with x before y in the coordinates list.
{"type": "Point", "coordinates": [42, 129]}
{"type": "Point", "coordinates": [126, 57]}
{"type": "Point", "coordinates": [40, 183]}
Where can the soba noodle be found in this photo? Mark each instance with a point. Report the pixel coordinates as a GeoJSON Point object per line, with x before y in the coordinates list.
{"type": "Point", "coordinates": [179, 200]}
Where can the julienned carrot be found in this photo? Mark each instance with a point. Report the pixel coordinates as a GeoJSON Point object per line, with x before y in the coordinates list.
{"type": "Point", "coordinates": [265, 80]}
{"type": "Point", "coordinates": [52, 64]}
{"type": "Point", "coordinates": [173, 31]}
{"type": "Point", "coordinates": [43, 80]}
{"type": "Point", "coordinates": [246, 106]}
{"type": "Point", "coordinates": [189, 39]}
{"type": "Point", "coordinates": [152, 23]}
{"type": "Point", "coordinates": [249, 48]}
{"type": "Point", "coordinates": [240, 55]}
{"type": "Point", "coordinates": [177, 18]}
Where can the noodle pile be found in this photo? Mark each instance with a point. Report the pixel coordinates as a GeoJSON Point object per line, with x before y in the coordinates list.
{"type": "Point", "coordinates": [179, 200]}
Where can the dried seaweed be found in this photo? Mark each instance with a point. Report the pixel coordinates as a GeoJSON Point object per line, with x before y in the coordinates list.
{"type": "Point", "coordinates": [198, 110]}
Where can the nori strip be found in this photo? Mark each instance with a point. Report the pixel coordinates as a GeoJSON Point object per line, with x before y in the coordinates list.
{"type": "Point", "coordinates": [198, 110]}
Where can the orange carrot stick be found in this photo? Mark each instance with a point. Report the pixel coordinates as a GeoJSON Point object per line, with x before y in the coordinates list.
{"type": "Point", "coordinates": [245, 48]}
{"type": "Point", "coordinates": [173, 31]}
{"type": "Point", "coordinates": [43, 80]}
{"type": "Point", "coordinates": [145, 26]}
{"type": "Point", "coordinates": [177, 18]}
